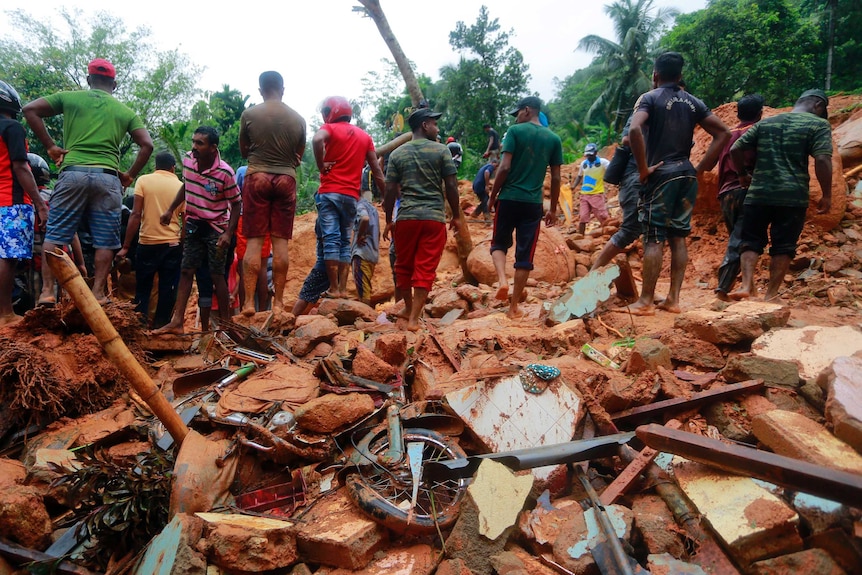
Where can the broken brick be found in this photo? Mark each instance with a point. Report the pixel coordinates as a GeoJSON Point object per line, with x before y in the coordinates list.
{"type": "Point", "coordinates": [246, 543]}
{"type": "Point", "coordinates": [809, 561]}
{"type": "Point", "coordinates": [844, 400]}
{"type": "Point", "coordinates": [741, 322]}
{"type": "Point", "coordinates": [414, 560]}
{"type": "Point", "coordinates": [331, 412]}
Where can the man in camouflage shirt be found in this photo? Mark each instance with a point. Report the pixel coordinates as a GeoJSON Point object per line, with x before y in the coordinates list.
{"type": "Point", "coordinates": [778, 189]}
{"type": "Point", "coordinates": [416, 173]}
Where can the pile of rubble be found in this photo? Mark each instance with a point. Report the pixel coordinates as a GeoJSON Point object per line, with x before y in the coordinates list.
{"type": "Point", "coordinates": [579, 439]}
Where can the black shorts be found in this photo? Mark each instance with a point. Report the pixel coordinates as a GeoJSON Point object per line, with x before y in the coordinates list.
{"type": "Point", "coordinates": [524, 219]}
{"type": "Point", "coordinates": [780, 226]}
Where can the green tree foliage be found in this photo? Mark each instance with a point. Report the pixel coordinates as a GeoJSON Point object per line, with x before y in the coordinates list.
{"type": "Point", "coordinates": [42, 59]}
{"type": "Point", "coordinates": [625, 63]}
{"type": "Point", "coordinates": [846, 73]}
{"type": "Point", "coordinates": [488, 79]}
{"type": "Point", "coordinates": [736, 47]}
{"type": "Point", "coordinates": [221, 110]}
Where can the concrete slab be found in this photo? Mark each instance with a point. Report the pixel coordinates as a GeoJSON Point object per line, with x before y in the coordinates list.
{"type": "Point", "coordinates": [794, 435]}
{"type": "Point", "coordinates": [585, 294]}
{"type": "Point", "coordinates": [844, 400]}
{"type": "Point", "coordinates": [505, 417]}
{"type": "Point", "coordinates": [813, 348]}
{"type": "Point", "coordinates": [752, 522]}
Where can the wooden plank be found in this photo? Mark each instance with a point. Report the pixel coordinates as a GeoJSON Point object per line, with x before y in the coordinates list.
{"type": "Point", "coordinates": [456, 363]}
{"type": "Point", "coordinates": [636, 415]}
{"type": "Point", "coordinates": [632, 471]}
{"type": "Point", "coordinates": [787, 472]}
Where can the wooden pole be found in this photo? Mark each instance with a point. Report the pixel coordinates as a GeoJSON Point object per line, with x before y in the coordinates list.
{"type": "Point", "coordinates": [70, 280]}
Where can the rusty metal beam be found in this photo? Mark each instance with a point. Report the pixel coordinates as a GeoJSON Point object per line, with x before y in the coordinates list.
{"type": "Point", "coordinates": [787, 472]}
{"type": "Point", "coordinates": [638, 414]}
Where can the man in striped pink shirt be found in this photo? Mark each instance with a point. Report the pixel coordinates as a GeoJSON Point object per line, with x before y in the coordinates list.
{"type": "Point", "coordinates": [212, 210]}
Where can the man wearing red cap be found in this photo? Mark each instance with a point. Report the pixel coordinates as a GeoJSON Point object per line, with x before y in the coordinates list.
{"type": "Point", "coordinates": [90, 182]}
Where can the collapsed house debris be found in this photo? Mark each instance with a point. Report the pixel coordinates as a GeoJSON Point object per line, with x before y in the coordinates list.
{"type": "Point", "coordinates": [725, 439]}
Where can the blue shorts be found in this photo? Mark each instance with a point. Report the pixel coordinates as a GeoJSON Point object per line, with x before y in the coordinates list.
{"type": "Point", "coordinates": [16, 232]}
{"type": "Point", "coordinates": [94, 196]}
{"type": "Point", "coordinates": [336, 213]}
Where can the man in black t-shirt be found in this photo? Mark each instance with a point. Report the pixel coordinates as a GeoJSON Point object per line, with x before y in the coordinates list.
{"type": "Point", "coordinates": [670, 181]}
{"type": "Point", "coordinates": [493, 149]}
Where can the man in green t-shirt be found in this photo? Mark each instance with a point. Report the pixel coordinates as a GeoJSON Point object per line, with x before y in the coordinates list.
{"type": "Point", "coordinates": [778, 190]}
{"type": "Point", "coordinates": [528, 149]}
{"type": "Point", "coordinates": [90, 183]}
{"type": "Point", "coordinates": [416, 173]}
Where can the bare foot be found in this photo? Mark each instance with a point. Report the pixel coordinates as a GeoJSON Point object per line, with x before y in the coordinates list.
{"type": "Point", "coordinates": [502, 293]}
{"type": "Point", "coordinates": [411, 326]}
{"type": "Point", "coordinates": [739, 294]}
{"type": "Point", "coordinates": [331, 294]}
{"type": "Point", "coordinates": [169, 329]}
{"type": "Point", "coordinates": [638, 308]}
{"type": "Point", "coordinates": [721, 295]}
{"type": "Point", "coordinates": [515, 313]}
{"type": "Point", "coordinates": [669, 306]}
{"type": "Point", "coordinates": [248, 311]}
{"type": "Point", "coordinates": [10, 319]}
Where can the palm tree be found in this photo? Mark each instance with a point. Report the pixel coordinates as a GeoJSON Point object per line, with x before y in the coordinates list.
{"type": "Point", "coordinates": [625, 63]}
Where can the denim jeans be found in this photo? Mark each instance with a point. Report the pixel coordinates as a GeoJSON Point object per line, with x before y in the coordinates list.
{"type": "Point", "coordinates": [336, 213]}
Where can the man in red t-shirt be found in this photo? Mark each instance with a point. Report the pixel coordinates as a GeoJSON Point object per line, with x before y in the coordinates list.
{"type": "Point", "coordinates": [731, 194]}
{"type": "Point", "coordinates": [341, 151]}
{"type": "Point", "coordinates": [18, 197]}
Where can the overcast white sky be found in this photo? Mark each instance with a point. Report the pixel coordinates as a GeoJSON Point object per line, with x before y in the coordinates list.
{"type": "Point", "coordinates": [324, 48]}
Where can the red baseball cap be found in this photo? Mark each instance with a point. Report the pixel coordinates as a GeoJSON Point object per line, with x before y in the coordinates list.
{"type": "Point", "coordinates": [101, 67]}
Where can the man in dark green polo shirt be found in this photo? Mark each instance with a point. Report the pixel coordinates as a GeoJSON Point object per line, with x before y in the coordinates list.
{"type": "Point", "coordinates": [778, 190]}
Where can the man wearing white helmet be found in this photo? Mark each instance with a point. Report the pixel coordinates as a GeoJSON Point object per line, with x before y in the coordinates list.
{"type": "Point", "coordinates": [18, 197]}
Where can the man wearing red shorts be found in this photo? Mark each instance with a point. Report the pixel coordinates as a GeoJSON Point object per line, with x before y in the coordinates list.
{"type": "Point", "coordinates": [416, 173]}
{"type": "Point", "coordinates": [272, 137]}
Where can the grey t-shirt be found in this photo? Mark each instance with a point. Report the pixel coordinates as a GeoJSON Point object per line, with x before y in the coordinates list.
{"type": "Point", "coordinates": [369, 252]}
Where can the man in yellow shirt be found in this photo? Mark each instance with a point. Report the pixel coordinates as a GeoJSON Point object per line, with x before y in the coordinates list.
{"type": "Point", "coordinates": [159, 249]}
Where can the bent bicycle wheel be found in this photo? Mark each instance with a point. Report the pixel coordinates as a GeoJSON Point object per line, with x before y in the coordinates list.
{"type": "Point", "coordinates": [385, 493]}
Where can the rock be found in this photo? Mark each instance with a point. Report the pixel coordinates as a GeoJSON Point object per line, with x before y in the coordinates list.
{"type": "Point", "coordinates": [444, 302]}
{"type": "Point", "coordinates": [751, 522]}
{"type": "Point", "coordinates": [584, 245]}
{"type": "Point", "coordinates": [334, 532]}
{"type": "Point", "coordinates": [809, 561]}
{"type": "Point", "coordinates": [392, 348]}
{"type": "Point", "coordinates": [819, 514]}
{"type": "Point", "coordinates": [12, 472]}
{"type": "Point", "coordinates": [467, 545]}
{"type": "Point", "coordinates": [23, 517]}
{"type": "Point", "coordinates": [813, 348]}
{"type": "Point", "coordinates": [581, 533]}
{"type": "Point", "coordinates": [246, 543]}
{"type": "Point", "coordinates": [310, 334]}
{"type": "Point", "coordinates": [622, 392]}
{"type": "Point", "coordinates": [720, 415]}
{"type": "Point", "coordinates": [346, 311]}
{"type": "Point", "coordinates": [648, 355]}
{"type": "Point", "coordinates": [529, 563]}
{"type": "Point", "coordinates": [844, 400]}
{"type": "Point", "coordinates": [693, 351]}
{"type": "Point", "coordinates": [331, 412]}
{"type": "Point", "coordinates": [794, 435]}
{"type": "Point", "coordinates": [553, 261]}
{"type": "Point", "coordinates": [772, 371]}
{"type": "Point", "coordinates": [840, 295]}
{"type": "Point", "coordinates": [836, 262]}
{"type": "Point", "coordinates": [453, 567]}
{"type": "Point", "coordinates": [740, 322]}
{"type": "Point", "coordinates": [366, 364]}
{"type": "Point", "coordinates": [656, 524]}
{"type": "Point", "coordinates": [472, 295]}
{"type": "Point", "coordinates": [583, 259]}
{"type": "Point", "coordinates": [418, 559]}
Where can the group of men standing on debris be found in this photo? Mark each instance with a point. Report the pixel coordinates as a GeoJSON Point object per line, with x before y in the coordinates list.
{"type": "Point", "coordinates": [763, 193]}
